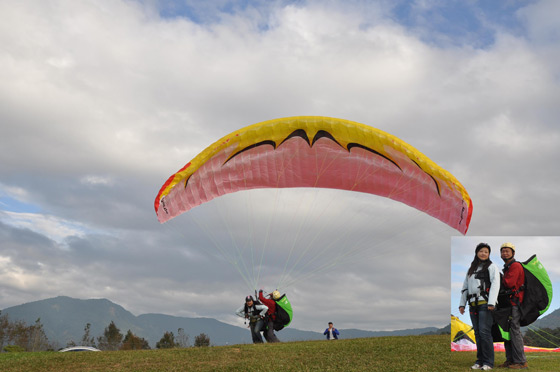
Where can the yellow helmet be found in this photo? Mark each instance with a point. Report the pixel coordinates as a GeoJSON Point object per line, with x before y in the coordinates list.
{"type": "Point", "coordinates": [276, 295]}
{"type": "Point", "coordinates": [508, 245]}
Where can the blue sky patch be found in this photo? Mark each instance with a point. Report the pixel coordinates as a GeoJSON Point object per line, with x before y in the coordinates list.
{"type": "Point", "coordinates": [9, 204]}
{"type": "Point", "coordinates": [459, 22]}
{"type": "Point", "coordinates": [450, 22]}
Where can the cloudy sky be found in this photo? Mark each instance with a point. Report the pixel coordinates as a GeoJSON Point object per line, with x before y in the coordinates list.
{"type": "Point", "coordinates": [102, 100]}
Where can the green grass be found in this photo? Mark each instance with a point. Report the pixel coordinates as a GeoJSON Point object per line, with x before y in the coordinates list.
{"type": "Point", "coordinates": [461, 361]}
{"type": "Point", "coordinates": [414, 353]}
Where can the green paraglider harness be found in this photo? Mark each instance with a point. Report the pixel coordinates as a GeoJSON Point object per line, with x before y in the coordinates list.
{"type": "Point", "coordinates": [283, 314]}
{"type": "Point", "coordinates": [537, 298]}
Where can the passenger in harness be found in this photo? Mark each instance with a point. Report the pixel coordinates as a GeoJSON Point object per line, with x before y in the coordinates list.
{"type": "Point", "coordinates": [270, 315]}
{"type": "Point", "coordinates": [513, 282]}
{"type": "Point", "coordinates": [480, 290]}
{"type": "Point", "coordinates": [255, 313]}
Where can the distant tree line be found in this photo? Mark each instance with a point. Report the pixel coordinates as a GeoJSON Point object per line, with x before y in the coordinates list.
{"type": "Point", "coordinates": [113, 339]}
{"type": "Point", "coordinates": [544, 337]}
{"type": "Point", "coordinates": [17, 336]}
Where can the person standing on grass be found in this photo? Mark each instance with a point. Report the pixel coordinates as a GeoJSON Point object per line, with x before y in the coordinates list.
{"type": "Point", "coordinates": [255, 313]}
{"type": "Point", "coordinates": [270, 315]}
{"type": "Point", "coordinates": [480, 290]}
{"type": "Point", "coordinates": [331, 332]}
{"type": "Point", "coordinates": [513, 280]}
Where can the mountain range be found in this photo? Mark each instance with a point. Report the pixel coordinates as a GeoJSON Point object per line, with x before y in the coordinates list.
{"type": "Point", "coordinates": [64, 319]}
{"type": "Point", "coordinates": [551, 321]}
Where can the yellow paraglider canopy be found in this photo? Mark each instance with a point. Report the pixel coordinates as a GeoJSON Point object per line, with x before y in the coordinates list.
{"type": "Point", "coordinates": [316, 151]}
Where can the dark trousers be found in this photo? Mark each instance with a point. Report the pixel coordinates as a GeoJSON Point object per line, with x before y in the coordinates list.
{"type": "Point", "coordinates": [482, 320]}
{"type": "Point", "coordinates": [256, 328]}
{"type": "Point", "coordinates": [269, 332]}
{"type": "Point", "coordinates": [514, 348]}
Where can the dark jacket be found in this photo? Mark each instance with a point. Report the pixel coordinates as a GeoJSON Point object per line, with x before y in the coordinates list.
{"type": "Point", "coordinates": [335, 333]}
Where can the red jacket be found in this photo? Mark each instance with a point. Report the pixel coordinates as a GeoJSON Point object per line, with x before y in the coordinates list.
{"type": "Point", "coordinates": [514, 278]}
{"type": "Point", "coordinates": [271, 305]}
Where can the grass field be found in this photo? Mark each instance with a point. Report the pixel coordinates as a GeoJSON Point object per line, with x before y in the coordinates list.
{"type": "Point", "coordinates": [414, 353]}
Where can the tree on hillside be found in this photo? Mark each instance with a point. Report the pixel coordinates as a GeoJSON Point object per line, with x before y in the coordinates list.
{"type": "Point", "coordinates": [37, 338]}
{"type": "Point", "coordinates": [111, 339]}
{"type": "Point", "coordinates": [182, 339]}
{"type": "Point", "coordinates": [87, 339]}
{"type": "Point", "coordinates": [133, 342]}
{"type": "Point", "coordinates": [4, 329]}
{"type": "Point", "coordinates": [167, 341]}
{"type": "Point", "coordinates": [18, 334]}
{"type": "Point", "coordinates": [28, 338]}
{"type": "Point", "coordinates": [201, 340]}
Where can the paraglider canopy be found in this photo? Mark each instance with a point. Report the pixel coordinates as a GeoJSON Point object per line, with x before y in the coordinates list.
{"type": "Point", "coordinates": [461, 331]}
{"type": "Point", "coordinates": [314, 151]}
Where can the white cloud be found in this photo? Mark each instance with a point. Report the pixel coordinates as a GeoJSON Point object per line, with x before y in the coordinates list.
{"type": "Point", "coordinates": [505, 134]}
{"type": "Point", "coordinates": [96, 180]}
{"type": "Point", "coordinates": [540, 21]}
{"type": "Point", "coordinates": [50, 226]}
{"type": "Point", "coordinates": [14, 192]}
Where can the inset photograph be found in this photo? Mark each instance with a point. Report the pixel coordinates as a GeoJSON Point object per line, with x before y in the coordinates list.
{"type": "Point", "coordinates": [505, 301]}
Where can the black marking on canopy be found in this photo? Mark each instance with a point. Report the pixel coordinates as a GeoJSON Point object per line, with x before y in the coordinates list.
{"type": "Point", "coordinates": [255, 145]}
{"type": "Point", "coordinates": [187, 180]}
{"type": "Point", "coordinates": [433, 179]}
{"type": "Point", "coordinates": [296, 133]}
{"type": "Point", "coordinates": [324, 134]}
{"type": "Point", "coordinates": [463, 209]}
{"type": "Point", "coordinates": [352, 145]}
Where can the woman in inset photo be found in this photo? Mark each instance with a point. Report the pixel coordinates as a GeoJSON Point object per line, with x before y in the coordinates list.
{"type": "Point", "coordinates": [480, 292]}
